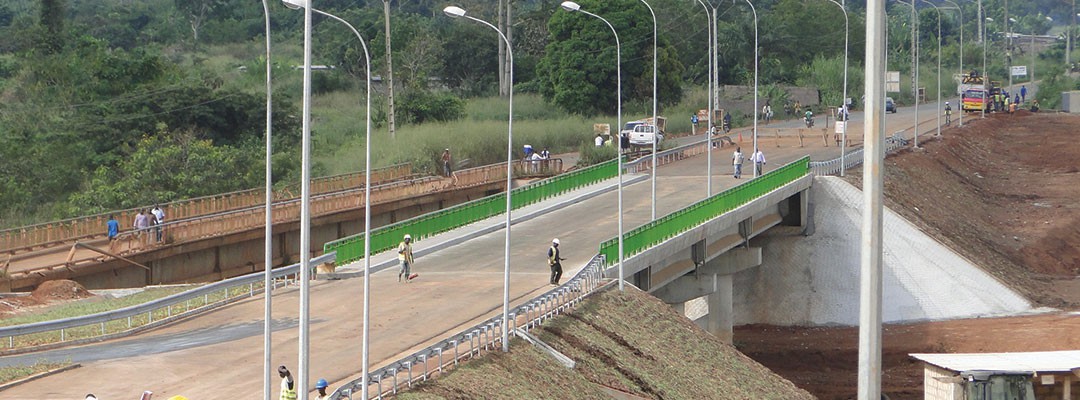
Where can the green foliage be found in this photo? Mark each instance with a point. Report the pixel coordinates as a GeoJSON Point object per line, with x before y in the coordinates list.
{"type": "Point", "coordinates": [170, 166]}
{"type": "Point", "coordinates": [419, 106]}
{"type": "Point", "coordinates": [828, 75]}
{"type": "Point", "coordinates": [578, 70]}
{"type": "Point", "coordinates": [1053, 82]}
{"type": "Point", "coordinates": [590, 154]}
{"type": "Point", "coordinates": [52, 21]}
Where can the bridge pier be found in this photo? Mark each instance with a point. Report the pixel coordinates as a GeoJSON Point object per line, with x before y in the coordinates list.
{"type": "Point", "coordinates": [713, 280]}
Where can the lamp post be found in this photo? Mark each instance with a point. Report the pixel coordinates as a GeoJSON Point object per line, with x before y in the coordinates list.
{"type": "Point", "coordinates": [458, 12]}
{"type": "Point", "coordinates": [1032, 80]}
{"type": "Point", "coordinates": [367, 202]}
{"type": "Point", "coordinates": [268, 242]}
{"type": "Point", "coordinates": [961, 11]}
{"type": "Point", "coordinates": [986, 77]}
{"type": "Point", "coordinates": [572, 7]}
{"type": "Point", "coordinates": [938, 66]}
{"type": "Point", "coordinates": [709, 111]}
{"type": "Point", "coordinates": [915, 66]}
{"type": "Point", "coordinates": [757, 171]}
{"type": "Point", "coordinates": [844, 107]}
{"type": "Point", "coordinates": [656, 125]}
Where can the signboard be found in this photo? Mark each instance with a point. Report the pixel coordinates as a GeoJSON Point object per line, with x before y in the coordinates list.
{"type": "Point", "coordinates": [892, 81]}
{"type": "Point", "coordinates": [603, 129]}
{"type": "Point", "coordinates": [1018, 70]}
{"type": "Point", "coordinates": [839, 127]}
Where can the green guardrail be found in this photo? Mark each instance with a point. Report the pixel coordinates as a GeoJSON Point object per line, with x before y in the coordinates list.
{"type": "Point", "coordinates": [655, 232]}
{"type": "Point", "coordinates": [351, 248]}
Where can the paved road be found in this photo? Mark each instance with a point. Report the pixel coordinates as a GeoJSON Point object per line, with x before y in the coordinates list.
{"type": "Point", "coordinates": [219, 355]}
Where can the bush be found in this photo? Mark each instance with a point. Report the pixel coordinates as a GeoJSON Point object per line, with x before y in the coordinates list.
{"type": "Point", "coordinates": [590, 154]}
{"type": "Point", "coordinates": [419, 106]}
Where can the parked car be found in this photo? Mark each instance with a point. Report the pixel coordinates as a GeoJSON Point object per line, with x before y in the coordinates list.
{"type": "Point", "coordinates": [890, 105]}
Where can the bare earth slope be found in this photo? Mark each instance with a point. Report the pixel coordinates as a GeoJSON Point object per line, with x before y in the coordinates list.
{"type": "Point", "coordinates": [1005, 193]}
{"type": "Point", "coordinates": [628, 341]}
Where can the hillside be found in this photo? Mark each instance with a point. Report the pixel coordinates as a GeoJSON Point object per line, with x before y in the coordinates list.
{"type": "Point", "coordinates": [1004, 192]}
{"type": "Point", "coordinates": [629, 341]}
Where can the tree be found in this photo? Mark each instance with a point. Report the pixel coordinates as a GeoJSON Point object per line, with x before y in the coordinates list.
{"type": "Point", "coordinates": [52, 20]}
{"type": "Point", "coordinates": [578, 68]}
{"type": "Point", "coordinates": [197, 12]}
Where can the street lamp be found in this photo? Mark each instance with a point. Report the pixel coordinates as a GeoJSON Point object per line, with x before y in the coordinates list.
{"type": "Point", "coordinates": [757, 171]}
{"type": "Point", "coordinates": [458, 12]}
{"type": "Point", "coordinates": [938, 66]}
{"type": "Point", "coordinates": [268, 241]}
{"type": "Point", "coordinates": [986, 77]}
{"type": "Point", "coordinates": [709, 107]}
{"type": "Point", "coordinates": [656, 126]}
{"type": "Point", "coordinates": [960, 106]}
{"type": "Point", "coordinates": [844, 107]}
{"type": "Point", "coordinates": [915, 65]}
{"type": "Point", "coordinates": [572, 7]}
{"type": "Point", "coordinates": [305, 269]}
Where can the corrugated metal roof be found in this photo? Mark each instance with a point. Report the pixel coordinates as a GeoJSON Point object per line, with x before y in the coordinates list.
{"type": "Point", "coordinates": [1039, 361]}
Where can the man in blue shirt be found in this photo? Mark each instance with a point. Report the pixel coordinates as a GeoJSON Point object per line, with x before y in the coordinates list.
{"type": "Point", "coordinates": [114, 227]}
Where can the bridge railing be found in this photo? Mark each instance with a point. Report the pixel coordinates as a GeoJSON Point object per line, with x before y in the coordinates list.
{"type": "Point", "coordinates": [25, 238]}
{"type": "Point", "coordinates": [474, 340]}
{"type": "Point", "coordinates": [351, 248]}
{"type": "Point", "coordinates": [853, 158]}
{"type": "Point", "coordinates": [659, 230]}
{"type": "Point", "coordinates": [178, 231]}
{"type": "Point", "coordinates": [124, 321]}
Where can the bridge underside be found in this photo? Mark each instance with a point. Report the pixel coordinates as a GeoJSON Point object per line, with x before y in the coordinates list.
{"type": "Point", "coordinates": [701, 262]}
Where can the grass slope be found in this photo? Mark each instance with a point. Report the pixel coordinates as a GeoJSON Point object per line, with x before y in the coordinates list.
{"type": "Point", "coordinates": [629, 341]}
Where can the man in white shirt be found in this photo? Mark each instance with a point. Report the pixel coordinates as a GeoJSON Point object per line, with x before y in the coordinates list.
{"type": "Point", "coordinates": [599, 141]}
{"type": "Point", "coordinates": [737, 161]}
{"type": "Point", "coordinates": [758, 158]}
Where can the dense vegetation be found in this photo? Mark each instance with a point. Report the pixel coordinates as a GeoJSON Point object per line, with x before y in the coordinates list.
{"type": "Point", "coordinates": [110, 104]}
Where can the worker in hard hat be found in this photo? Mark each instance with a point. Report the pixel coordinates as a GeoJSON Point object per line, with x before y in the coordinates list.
{"type": "Point", "coordinates": [320, 387]}
{"type": "Point", "coordinates": [405, 258]}
{"type": "Point", "coordinates": [554, 261]}
{"type": "Point", "coordinates": [288, 387]}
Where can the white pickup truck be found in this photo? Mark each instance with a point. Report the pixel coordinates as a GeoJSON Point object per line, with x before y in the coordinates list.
{"type": "Point", "coordinates": [642, 133]}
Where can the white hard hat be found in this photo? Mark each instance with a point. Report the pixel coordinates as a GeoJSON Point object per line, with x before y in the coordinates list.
{"type": "Point", "coordinates": [946, 103]}
{"type": "Point", "coordinates": [408, 237]}
{"type": "Point", "coordinates": [555, 241]}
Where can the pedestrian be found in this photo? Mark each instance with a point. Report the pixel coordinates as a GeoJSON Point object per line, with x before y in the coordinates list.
{"type": "Point", "coordinates": [758, 158]}
{"type": "Point", "coordinates": [599, 141]}
{"type": "Point", "coordinates": [766, 113]}
{"type": "Point", "coordinates": [288, 389]}
{"type": "Point", "coordinates": [727, 122]}
{"type": "Point", "coordinates": [142, 221]}
{"type": "Point", "coordinates": [405, 258]}
{"type": "Point", "coordinates": [446, 163]}
{"type": "Point", "coordinates": [320, 386]}
{"type": "Point", "coordinates": [737, 162]}
{"type": "Point", "coordinates": [113, 227]}
{"type": "Point", "coordinates": [798, 108]}
{"type": "Point", "coordinates": [555, 262]}
{"type": "Point", "coordinates": [159, 219]}
{"type": "Point", "coordinates": [694, 121]}
{"type": "Point", "coordinates": [1016, 100]}
{"type": "Point", "coordinates": [545, 154]}
{"type": "Point", "coordinates": [948, 113]}
{"type": "Point", "coordinates": [1023, 93]}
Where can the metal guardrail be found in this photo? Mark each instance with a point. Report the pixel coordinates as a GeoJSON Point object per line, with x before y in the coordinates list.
{"type": "Point", "coordinates": [854, 158]}
{"type": "Point", "coordinates": [126, 315]}
{"type": "Point", "coordinates": [484, 336]}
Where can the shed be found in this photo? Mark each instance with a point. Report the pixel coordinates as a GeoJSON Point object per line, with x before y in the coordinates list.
{"type": "Point", "coordinates": [1042, 375]}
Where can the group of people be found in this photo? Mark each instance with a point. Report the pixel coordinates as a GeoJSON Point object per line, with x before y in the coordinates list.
{"type": "Point", "coordinates": [757, 158]}
{"type": "Point", "coordinates": [288, 386]}
{"type": "Point", "coordinates": [146, 223]}
{"type": "Point", "coordinates": [1002, 102]}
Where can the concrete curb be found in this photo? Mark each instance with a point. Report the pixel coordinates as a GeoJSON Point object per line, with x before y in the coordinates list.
{"type": "Point", "coordinates": [480, 232]}
{"type": "Point", "coordinates": [37, 376]}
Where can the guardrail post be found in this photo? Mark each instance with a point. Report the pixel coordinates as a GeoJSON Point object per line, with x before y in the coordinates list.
{"type": "Point", "coordinates": [149, 316]}
{"type": "Point", "coordinates": [251, 289]}
{"type": "Point", "coordinates": [102, 328]}
{"type": "Point", "coordinates": [438, 350]}
{"type": "Point", "coordinates": [512, 322]}
{"type": "Point", "coordinates": [408, 367]}
{"type": "Point", "coordinates": [129, 322]}
{"type": "Point", "coordinates": [469, 336]}
{"type": "Point", "coordinates": [423, 360]}
{"type": "Point", "coordinates": [62, 335]}
{"type": "Point", "coordinates": [455, 343]}
{"type": "Point", "coordinates": [394, 375]}
{"type": "Point", "coordinates": [11, 342]}
{"type": "Point", "coordinates": [378, 381]}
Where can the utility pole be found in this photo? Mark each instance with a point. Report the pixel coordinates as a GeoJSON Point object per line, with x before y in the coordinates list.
{"type": "Point", "coordinates": [914, 59]}
{"type": "Point", "coordinates": [980, 11]}
{"type": "Point", "coordinates": [389, 70]}
{"type": "Point", "coordinates": [509, 33]}
{"type": "Point", "coordinates": [502, 47]}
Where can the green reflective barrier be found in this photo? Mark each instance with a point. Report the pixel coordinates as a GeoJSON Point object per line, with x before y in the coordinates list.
{"type": "Point", "coordinates": [351, 248]}
{"type": "Point", "coordinates": [643, 237]}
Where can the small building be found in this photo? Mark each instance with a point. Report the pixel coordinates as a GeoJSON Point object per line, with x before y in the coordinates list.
{"type": "Point", "coordinates": [1043, 375]}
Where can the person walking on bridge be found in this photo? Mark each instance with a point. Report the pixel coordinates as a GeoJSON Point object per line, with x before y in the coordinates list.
{"type": "Point", "coordinates": [405, 259]}
{"type": "Point", "coordinates": [737, 161]}
{"type": "Point", "coordinates": [320, 387]}
{"type": "Point", "coordinates": [555, 262]}
{"type": "Point", "coordinates": [446, 163]}
{"type": "Point", "coordinates": [288, 387]}
{"type": "Point", "coordinates": [758, 158]}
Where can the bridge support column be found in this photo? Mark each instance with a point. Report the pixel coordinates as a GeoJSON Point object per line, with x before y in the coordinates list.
{"type": "Point", "coordinates": [721, 318]}
{"type": "Point", "coordinates": [680, 308]}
